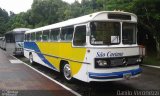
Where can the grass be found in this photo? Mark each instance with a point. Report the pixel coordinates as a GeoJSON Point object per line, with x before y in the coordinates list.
{"type": "Point", "coordinates": [152, 60]}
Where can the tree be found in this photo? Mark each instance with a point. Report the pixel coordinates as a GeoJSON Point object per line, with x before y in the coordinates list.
{"type": "Point", "coordinates": [3, 20]}
{"type": "Point", "coordinates": [46, 12]}
{"type": "Point", "coordinates": [149, 18]}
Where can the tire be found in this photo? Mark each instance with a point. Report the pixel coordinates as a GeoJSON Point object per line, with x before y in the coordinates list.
{"type": "Point", "coordinates": [67, 72]}
{"type": "Point", "coordinates": [31, 59]}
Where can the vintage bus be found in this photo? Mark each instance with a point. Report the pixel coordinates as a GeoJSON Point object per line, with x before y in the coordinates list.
{"type": "Point", "coordinates": [101, 46]}
{"type": "Point", "coordinates": [14, 41]}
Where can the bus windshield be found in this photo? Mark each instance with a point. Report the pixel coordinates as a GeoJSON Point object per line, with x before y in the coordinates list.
{"type": "Point", "coordinates": [19, 37]}
{"type": "Point", "coordinates": [105, 33]}
{"type": "Point", "coordinates": [129, 33]}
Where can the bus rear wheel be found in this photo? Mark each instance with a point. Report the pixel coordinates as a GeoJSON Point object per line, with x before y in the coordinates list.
{"type": "Point", "coordinates": [67, 72]}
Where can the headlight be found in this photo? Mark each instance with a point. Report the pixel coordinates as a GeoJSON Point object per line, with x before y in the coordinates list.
{"type": "Point", "coordinates": [139, 60]}
{"type": "Point", "coordinates": [102, 63]}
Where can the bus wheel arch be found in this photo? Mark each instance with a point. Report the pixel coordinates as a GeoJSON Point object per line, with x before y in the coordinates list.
{"type": "Point", "coordinates": [65, 70]}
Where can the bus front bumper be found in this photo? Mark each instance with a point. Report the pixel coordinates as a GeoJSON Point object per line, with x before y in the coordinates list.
{"type": "Point", "coordinates": [115, 75]}
{"type": "Point", "coordinates": [18, 53]}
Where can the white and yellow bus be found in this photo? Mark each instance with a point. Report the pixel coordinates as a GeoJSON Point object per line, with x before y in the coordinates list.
{"type": "Point", "coordinates": [101, 46]}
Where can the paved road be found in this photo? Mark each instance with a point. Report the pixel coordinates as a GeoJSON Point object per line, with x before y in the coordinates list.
{"type": "Point", "coordinates": [149, 81]}
{"type": "Point", "coordinates": [16, 79]}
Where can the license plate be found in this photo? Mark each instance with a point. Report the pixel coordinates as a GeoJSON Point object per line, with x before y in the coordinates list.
{"type": "Point", "coordinates": [127, 76]}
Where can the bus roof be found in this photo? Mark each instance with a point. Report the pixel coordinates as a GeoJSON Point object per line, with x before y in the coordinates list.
{"type": "Point", "coordinates": [21, 29]}
{"type": "Point", "coordinates": [18, 30]}
{"type": "Point", "coordinates": [102, 15]}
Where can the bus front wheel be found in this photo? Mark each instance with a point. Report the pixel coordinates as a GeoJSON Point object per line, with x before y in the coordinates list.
{"type": "Point", "coordinates": [67, 72]}
{"type": "Point", "coordinates": [31, 58]}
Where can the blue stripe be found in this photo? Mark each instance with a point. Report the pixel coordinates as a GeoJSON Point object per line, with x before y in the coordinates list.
{"type": "Point", "coordinates": [33, 46]}
{"type": "Point", "coordinates": [114, 75]}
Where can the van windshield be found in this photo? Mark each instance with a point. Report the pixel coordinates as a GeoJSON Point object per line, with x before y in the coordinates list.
{"type": "Point", "coordinates": [19, 37]}
{"type": "Point", "coordinates": [105, 33]}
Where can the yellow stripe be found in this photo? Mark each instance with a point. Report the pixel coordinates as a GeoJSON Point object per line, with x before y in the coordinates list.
{"type": "Point", "coordinates": [64, 50]}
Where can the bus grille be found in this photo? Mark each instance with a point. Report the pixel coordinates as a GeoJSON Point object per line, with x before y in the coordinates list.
{"type": "Point", "coordinates": [117, 62]}
{"type": "Point", "coordinates": [19, 49]}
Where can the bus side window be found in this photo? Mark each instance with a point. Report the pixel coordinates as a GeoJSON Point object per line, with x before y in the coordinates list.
{"type": "Point", "coordinates": [67, 33]}
{"type": "Point", "coordinates": [32, 36]}
{"type": "Point", "coordinates": [38, 36]}
{"type": "Point", "coordinates": [80, 36]}
{"type": "Point", "coordinates": [54, 36]}
{"type": "Point", "coordinates": [45, 36]}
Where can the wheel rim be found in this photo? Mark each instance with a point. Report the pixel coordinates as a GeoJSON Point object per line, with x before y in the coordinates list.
{"type": "Point", "coordinates": [67, 72]}
{"type": "Point", "coordinates": [31, 58]}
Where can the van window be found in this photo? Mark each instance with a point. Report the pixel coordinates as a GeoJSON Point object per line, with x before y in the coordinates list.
{"type": "Point", "coordinates": [80, 36]}
{"type": "Point", "coordinates": [32, 36]}
{"type": "Point", "coordinates": [10, 38]}
{"type": "Point", "coordinates": [45, 36]}
{"type": "Point", "coordinates": [28, 37]}
{"type": "Point", "coordinates": [25, 37]}
{"type": "Point", "coordinates": [54, 36]}
{"type": "Point", "coordinates": [38, 36]}
{"type": "Point", "coordinates": [67, 33]}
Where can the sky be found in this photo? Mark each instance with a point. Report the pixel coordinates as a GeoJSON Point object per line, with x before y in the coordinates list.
{"type": "Point", "coordinates": [69, 1]}
{"type": "Point", "coordinates": [18, 6]}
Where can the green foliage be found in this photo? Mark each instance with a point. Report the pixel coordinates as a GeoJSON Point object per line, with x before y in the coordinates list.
{"type": "Point", "coordinates": [46, 12]}
{"type": "Point", "coordinates": [148, 12]}
{"type": "Point", "coordinates": [3, 20]}
{"type": "Point", "coordinates": [152, 60]}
